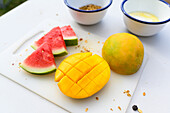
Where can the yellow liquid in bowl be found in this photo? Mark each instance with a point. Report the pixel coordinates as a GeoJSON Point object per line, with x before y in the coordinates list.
{"type": "Point", "coordinates": [144, 16]}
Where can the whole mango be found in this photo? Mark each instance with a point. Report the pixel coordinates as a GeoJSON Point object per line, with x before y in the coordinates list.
{"type": "Point", "coordinates": [81, 75]}
{"type": "Point", "coordinates": [124, 53]}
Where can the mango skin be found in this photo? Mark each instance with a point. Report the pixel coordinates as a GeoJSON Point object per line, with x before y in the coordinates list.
{"type": "Point", "coordinates": [82, 75]}
{"type": "Point", "coordinates": [124, 53]}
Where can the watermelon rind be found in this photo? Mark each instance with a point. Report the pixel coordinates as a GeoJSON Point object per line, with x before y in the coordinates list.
{"type": "Point", "coordinates": [38, 71]}
{"type": "Point", "coordinates": [34, 47]}
{"type": "Point", "coordinates": [58, 52]}
{"type": "Point", "coordinates": [71, 41]}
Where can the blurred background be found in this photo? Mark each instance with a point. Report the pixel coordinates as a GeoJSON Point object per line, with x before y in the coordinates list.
{"type": "Point", "coordinates": [7, 5]}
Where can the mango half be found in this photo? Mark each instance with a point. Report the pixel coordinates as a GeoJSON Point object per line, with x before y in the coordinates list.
{"type": "Point", "coordinates": [124, 53]}
{"type": "Point", "coordinates": [81, 75]}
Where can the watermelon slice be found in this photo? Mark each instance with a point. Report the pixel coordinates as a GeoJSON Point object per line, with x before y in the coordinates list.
{"type": "Point", "coordinates": [55, 39]}
{"type": "Point", "coordinates": [69, 36]}
{"type": "Point", "coordinates": [40, 61]}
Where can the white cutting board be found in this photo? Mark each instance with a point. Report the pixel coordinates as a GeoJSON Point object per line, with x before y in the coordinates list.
{"type": "Point", "coordinates": [111, 96]}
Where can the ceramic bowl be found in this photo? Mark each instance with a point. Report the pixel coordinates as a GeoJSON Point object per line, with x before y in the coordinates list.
{"type": "Point", "coordinates": [159, 8]}
{"type": "Point", "coordinates": [87, 17]}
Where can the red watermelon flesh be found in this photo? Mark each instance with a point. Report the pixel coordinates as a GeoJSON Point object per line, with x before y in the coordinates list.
{"type": "Point", "coordinates": [41, 61]}
{"type": "Point", "coordinates": [69, 35]}
{"type": "Point", "coordinates": [55, 39]}
{"type": "Point", "coordinates": [67, 31]}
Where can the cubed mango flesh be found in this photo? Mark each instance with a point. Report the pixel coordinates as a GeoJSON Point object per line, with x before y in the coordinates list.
{"type": "Point", "coordinates": [82, 75]}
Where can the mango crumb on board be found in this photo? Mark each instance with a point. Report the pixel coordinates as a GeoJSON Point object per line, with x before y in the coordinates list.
{"type": "Point", "coordinates": [82, 51]}
{"type": "Point", "coordinates": [111, 109]}
{"type": "Point", "coordinates": [26, 50]}
{"type": "Point", "coordinates": [144, 94]}
{"type": "Point", "coordinates": [85, 49]}
{"type": "Point", "coordinates": [88, 33]}
{"type": "Point", "coordinates": [119, 108]}
{"type": "Point", "coordinates": [19, 63]}
{"type": "Point", "coordinates": [86, 109]}
{"type": "Point", "coordinates": [86, 41]}
{"type": "Point", "coordinates": [80, 39]}
{"type": "Point", "coordinates": [129, 95]}
{"type": "Point", "coordinates": [97, 98]}
{"type": "Point", "coordinates": [102, 42]}
{"type": "Point", "coordinates": [127, 92]}
{"type": "Point", "coordinates": [98, 41]}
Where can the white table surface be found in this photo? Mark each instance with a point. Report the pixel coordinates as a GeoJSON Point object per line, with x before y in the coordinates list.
{"type": "Point", "coordinates": [154, 80]}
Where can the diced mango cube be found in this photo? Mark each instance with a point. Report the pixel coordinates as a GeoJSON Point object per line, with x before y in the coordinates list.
{"type": "Point", "coordinates": [83, 67]}
{"type": "Point", "coordinates": [102, 78]}
{"type": "Point", "coordinates": [83, 82]}
{"type": "Point", "coordinates": [91, 88]}
{"type": "Point", "coordinates": [64, 67]}
{"type": "Point", "coordinates": [82, 94]}
{"type": "Point", "coordinates": [93, 73]}
{"type": "Point", "coordinates": [82, 56]}
{"type": "Point", "coordinates": [93, 60]}
{"type": "Point", "coordinates": [74, 74]}
{"type": "Point", "coordinates": [106, 72]}
{"type": "Point", "coordinates": [72, 60]}
{"type": "Point", "coordinates": [59, 75]}
{"type": "Point", "coordinates": [75, 89]}
{"type": "Point", "coordinates": [65, 84]}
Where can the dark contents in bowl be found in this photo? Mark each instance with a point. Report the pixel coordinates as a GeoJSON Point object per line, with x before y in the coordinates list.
{"type": "Point", "coordinates": [90, 7]}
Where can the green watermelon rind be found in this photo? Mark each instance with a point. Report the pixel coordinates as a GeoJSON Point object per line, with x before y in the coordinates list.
{"type": "Point", "coordinates": [34, 47]}
{"type": "Point", "coordinates": [38, 71]}
{"type": "Point", "coordinates": [59, 52]}
{"type": "Point", "coordinates": [72, 41]}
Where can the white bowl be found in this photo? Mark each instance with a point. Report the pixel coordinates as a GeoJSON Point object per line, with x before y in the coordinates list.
{"type": "Point", "coordinates": [159, 8]}
{"type": "Point", "coordinates": [87, 17]}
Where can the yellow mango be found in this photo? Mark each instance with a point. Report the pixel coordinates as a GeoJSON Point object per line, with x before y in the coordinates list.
{"type": "Point", "coordinates": [82, 75]}
{"type": "Point", "coordinates": [124, 53]}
